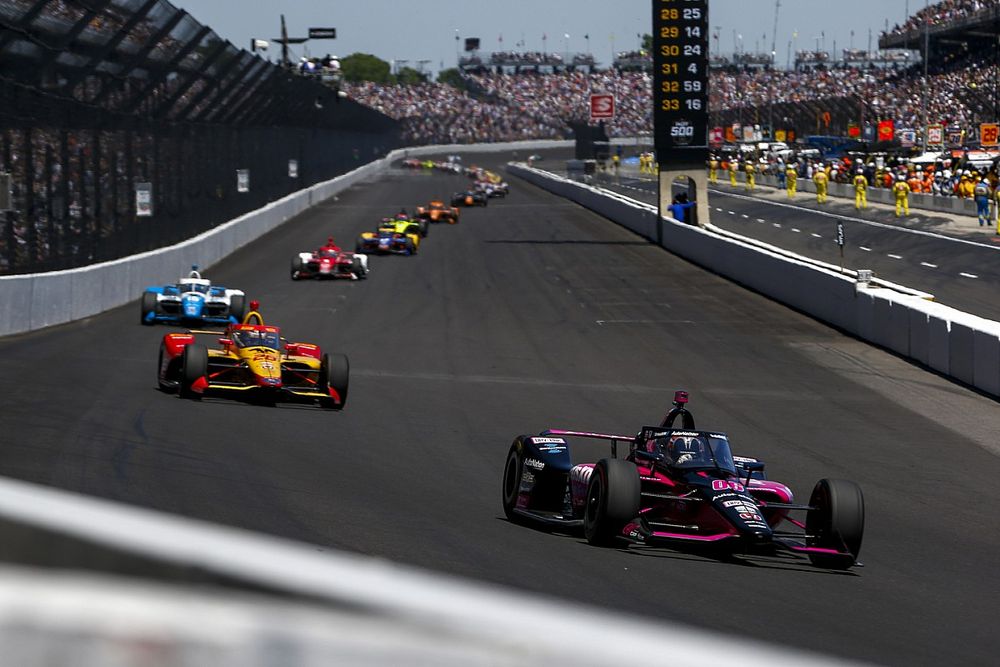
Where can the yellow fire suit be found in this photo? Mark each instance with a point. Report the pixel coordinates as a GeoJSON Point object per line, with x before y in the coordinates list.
{"type": "Point", "coordinates": [860, 192]}
{"type": "Point", "coordinates": [902, 192]}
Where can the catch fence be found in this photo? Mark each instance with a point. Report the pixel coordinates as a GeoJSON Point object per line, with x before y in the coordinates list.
{"type": "Point", "coordinates": [126, 125]}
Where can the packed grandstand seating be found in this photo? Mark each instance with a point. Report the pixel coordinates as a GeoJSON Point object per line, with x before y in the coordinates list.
{"type": "Point", "coordinates": [503, 107]}
{"type": "Point", "coordinates": [943, 13]}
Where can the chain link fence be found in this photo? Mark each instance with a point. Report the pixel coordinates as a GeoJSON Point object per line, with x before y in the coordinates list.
{"type": "Point", "coordinates": [124, 124]}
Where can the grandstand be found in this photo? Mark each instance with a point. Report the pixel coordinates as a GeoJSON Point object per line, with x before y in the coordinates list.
{"type": "Point", "coordinates": [954, 21]}
{"type": "Point", "coordinates": [102, 97]}
{"type": "Point", "coordinates": [526, 61]}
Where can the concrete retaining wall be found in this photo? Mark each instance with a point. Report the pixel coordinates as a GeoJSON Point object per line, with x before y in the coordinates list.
{"type": "Point", "coordinates": [37, 300]}
{"type": "Point", "coordinates": [962, 346]}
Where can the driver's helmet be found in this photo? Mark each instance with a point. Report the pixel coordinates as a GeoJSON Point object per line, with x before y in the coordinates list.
{"type": "Point", "coordinates": [681, 449]}
{"type": "Point", "coordinates": [402, 215]}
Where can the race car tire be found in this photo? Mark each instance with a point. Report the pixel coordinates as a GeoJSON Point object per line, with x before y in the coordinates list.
{"type": "Point", "coordinates": [837, 522]}
{"type": "Point", "coordinates": [238, 306]}
{"type": "Point", "coordinates": [512, 472]}
{"type": "Point", "coordinates": [194, 365]}
{"type": "Point", "coordinates": [335, 373]}
{"type": "Point", "coordinates": [411, 247]}
{"type": "Point", "coordinates": [359, 245]}
{"type": "Point", "coordinates": [296, 270]}
{"type": "Point", "coordinates": [358, 267]}
{"type": "Point", "coordinates": [612, 501]}
{"type": "Point", "coordinates": [149, 305]}
{"type": "Point", "coordinates": [424, 229]}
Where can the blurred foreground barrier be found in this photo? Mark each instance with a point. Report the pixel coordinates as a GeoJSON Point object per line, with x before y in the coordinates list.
{"type": "Point", "coordinates": [212, 595]}
{"type": "Point", "coordinates": [906, 321]}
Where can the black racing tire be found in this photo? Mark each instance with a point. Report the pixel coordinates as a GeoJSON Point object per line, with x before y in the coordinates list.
{"type": "Point", "coordinates": [296, 269]}
{"type": "Point", "coordinates": [194, 365]}
{"type": "Point", "coordinates": [424, 228]}
{"type": "Point", "coordinates": [149, 305]}
{"type": "Point", "coordinates": [612, 501]}
{"type": "Point", "coordinates": [238, 306]}
{"type": "Point", "coordinates": [335, 373]}
{"type": "Point", "coordinates": [513, 470]}
{"type": "Point", "coordinates": [411, 247]}
{"type": "Point", "coordinates": [359, 245]}
{"type": "Point", "coordinates": [838, 521]}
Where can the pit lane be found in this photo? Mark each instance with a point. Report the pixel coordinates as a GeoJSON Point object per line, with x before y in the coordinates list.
{"type": "Point", "coordinates": [535, 313]}
{"type": "Point", "coordinates": [960, 268]}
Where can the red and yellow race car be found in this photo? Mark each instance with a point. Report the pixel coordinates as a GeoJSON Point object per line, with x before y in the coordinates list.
{"type": "Point", "coordinates": [253, 362]}
{"type": "Point", "coordinates": [436, 211]}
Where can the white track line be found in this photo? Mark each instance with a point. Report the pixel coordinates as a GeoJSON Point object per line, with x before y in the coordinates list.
{"type": "Point", "coordinates": [968, 275]}
{"type": "Point", "coordinates": [929, 265]}
{"type": "Point", "coordinates": [815, 236]}
{"type": "Point", "coordinates": [870, 223]}
{"type": "Point", "coordinates": [796, 230]}
{"type": "Point", "coordinates": [891, 256]}
{"type": "Point", "coordinates": [865, 249]}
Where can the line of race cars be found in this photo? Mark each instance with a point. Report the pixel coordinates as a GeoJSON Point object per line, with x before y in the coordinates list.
{"type": "Point", "coordinates": [253, 361]}
{"type": "Point", "coordinates": [679, 487]}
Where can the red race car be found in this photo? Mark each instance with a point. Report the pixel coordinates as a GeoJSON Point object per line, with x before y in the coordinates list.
{"type": "Point", "coordinates": [329, 261]}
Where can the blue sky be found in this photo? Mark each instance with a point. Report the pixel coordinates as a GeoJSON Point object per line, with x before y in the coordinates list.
{"type": "Point", "coordinates": [426, 29]}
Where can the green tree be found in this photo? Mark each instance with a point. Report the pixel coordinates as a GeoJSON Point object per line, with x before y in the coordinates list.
{"type": "Point", "coordinates": [365, 67]}
{"type": "Point", "coordinates": [647, 42]}
{"type": "Point", "coordinates": [409, 76]}
{"type": "Point", "coordinates": [452, 77]}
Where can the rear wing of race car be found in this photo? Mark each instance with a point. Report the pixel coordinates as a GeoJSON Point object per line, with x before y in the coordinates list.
{"type": "Point", "coordinates": [615, 439]}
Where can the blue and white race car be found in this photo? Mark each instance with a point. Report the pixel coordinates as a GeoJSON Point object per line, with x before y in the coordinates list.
{"type": "Point", "coordinates": [193, 300]}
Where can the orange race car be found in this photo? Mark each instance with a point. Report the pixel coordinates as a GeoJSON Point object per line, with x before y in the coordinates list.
{"type": "Point", "coordinates": [436, 211]}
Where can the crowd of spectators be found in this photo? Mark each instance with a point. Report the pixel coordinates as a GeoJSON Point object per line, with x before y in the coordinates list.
{"type": "Point", "coordinates": [533, 105]}
{"type": "Point", "coordinates": [507, 107]}
{"type": "Point", "coordinates": [439, 113]}
{"type": "Point", "coordinates": [942, 13]}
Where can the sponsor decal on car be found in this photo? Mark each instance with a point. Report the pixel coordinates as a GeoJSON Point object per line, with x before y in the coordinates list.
{"type": "Point", "coordinates": [732, 503]}
{"type": "Point", "coordinates": [534, 463]}
{"type": "Point", "coordinates": [725, 484]}
{"type": "Point", "coordinates": [542, 441]}
{"type": "Point", "coordinates": [745, 459]}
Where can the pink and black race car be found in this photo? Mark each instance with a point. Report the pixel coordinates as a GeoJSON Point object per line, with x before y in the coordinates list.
{"type": "Point", "coordinates": [679, 487]}
{"type": "Point", "coordinates": [329, 261]}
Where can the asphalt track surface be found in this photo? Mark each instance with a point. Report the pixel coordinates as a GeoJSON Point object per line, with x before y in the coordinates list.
{"type": "Point", "coordinates": [960, 268]}
{"type": "Point", "coordinates": [535, 313]}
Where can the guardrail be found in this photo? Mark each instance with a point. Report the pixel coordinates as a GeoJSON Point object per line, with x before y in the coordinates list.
{"type": "Point", "coordinates": [36, 300]}
{"type": "Point", "coordinates": [361, 610]}
{"type": "Point", "coordinates": [956, 344]}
